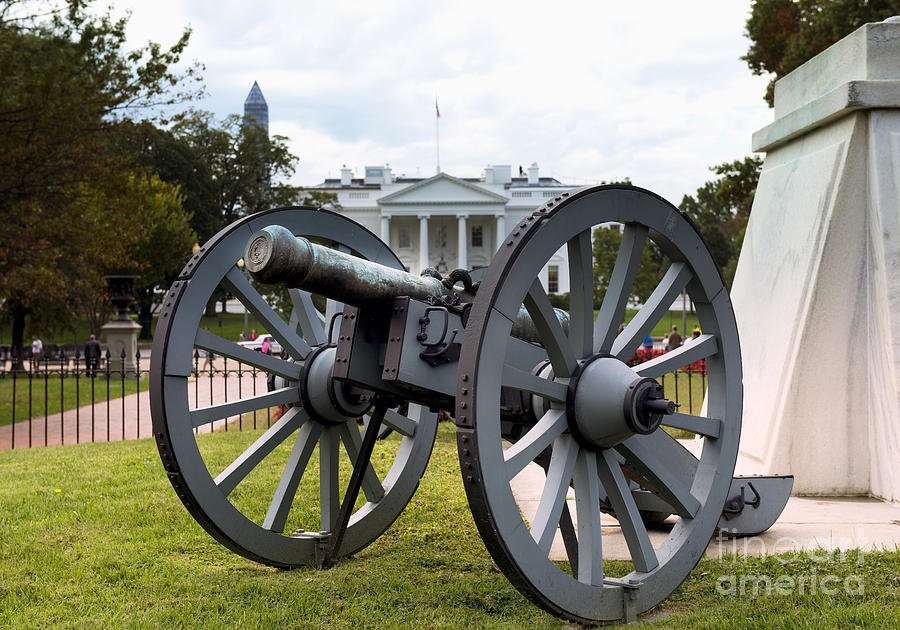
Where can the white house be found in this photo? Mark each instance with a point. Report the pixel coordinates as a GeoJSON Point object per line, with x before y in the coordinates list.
{"type": "Point", "coordinates": [448, 222]}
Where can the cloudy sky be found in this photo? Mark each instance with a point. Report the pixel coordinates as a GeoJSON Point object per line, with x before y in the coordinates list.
{"type": "Point", "coordinates": [590, 90]}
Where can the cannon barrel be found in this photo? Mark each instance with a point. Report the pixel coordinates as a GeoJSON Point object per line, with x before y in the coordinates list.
{"type": "Point", "coordinates": [275, 256]}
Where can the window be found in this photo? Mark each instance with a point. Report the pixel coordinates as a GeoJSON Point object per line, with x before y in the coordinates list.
{"type": "Point", "coordinates": [403, 237]}
{"type": "Point", "coordinates": [553, 279]}
{"type": "Point", "coordinates": [477, 236]}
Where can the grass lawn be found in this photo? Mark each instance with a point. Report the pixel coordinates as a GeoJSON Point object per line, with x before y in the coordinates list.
{"type": "Point", "coordinates": [52, 394]}
{"type": "Point", "coordinates": [94, 537]}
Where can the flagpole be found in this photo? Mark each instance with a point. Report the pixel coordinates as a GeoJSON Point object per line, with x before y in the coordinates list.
{"type": "Point", "coordinates": [437, 134]}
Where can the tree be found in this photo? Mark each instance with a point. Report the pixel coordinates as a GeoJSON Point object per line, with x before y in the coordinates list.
{"type": "Point", "coordinates": [721, 209]}
{"type": "Point", "coordinates": [243, 164]}
{"type": "Point", "coordinates": [786, 33]}
{"type": "Point", "coordinates": [68, 82]}
{"type": "Point", "coordinates": [605, 245]}
{"type": "Point", "coordinates": [320, 199]}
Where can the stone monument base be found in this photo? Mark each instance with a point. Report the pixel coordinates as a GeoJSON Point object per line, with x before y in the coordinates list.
{"type": "Point", "coordinates": [122, 335]}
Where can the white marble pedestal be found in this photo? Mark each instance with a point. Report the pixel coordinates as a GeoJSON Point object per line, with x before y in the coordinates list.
{"type": "Point", "coordinates": [817, 288]}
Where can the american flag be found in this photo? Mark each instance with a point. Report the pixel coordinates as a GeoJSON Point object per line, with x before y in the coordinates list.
{"type": "Point", "coordinates": [436, 110]}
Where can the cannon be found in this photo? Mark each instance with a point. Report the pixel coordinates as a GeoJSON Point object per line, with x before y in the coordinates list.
{"type": "Point", "coordinates": [525, 384]}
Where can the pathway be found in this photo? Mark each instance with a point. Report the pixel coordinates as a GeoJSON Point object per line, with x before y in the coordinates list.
{"type": "Point", "coordinates": [127, 417]}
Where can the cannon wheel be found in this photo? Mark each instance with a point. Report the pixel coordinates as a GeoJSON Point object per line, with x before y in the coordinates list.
{"type": "Point", "coordinates": [207, 487]}
{"type": "Point", "coordinates": [598, 469]}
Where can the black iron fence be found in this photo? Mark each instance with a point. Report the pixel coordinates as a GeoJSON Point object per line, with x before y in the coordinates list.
{"type": "Point", "coordinates": [65, 398]}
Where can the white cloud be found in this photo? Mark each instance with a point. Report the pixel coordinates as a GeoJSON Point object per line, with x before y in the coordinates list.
{"type": "Point", "coordinates": [591, 90]}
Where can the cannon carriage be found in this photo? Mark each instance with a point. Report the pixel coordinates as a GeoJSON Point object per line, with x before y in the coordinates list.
{"type": "Point", "coordinates": [523, 381]}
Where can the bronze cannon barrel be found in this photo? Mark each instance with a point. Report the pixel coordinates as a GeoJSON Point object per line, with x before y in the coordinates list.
{"type": "Point", "coordinates": [275, 256]}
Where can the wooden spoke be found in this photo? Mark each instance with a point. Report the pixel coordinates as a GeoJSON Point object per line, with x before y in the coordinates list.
{"type": "Point", "coordinates": [559, 476]}
{"type": "Point", "coordinates": [329, 501]}
{"type": "Point", "coordinates": [710, 427]}
{"type": "Point", "coordinates": [532, 444]}
{"type": "Point", "coordinates": [695, 349]}
{"type": "Point", "coordinates": [229, 478]}
{"type": "Point", "coordinates": [401, 424]}
{"type": "Point", "coordinates": [587, 510]}
{"type": "Point", "coordinates": [581, 294]}
{"type": "Point", "coordinates": [284, 396]}
{"type": "Point", "coordinates": [208, 341]}
{"type": "Point", "coordinates": [612, 311]}
{"type": "Point", "coordinates": [642, 553]}
{"type": "Point", "coordinates": [306, 441]}
{"type": "Point", "coordinates": [657, 458]}
{"type": "Point", "coordinates": [520, 379]}
{"type": "Point", "coordinates": [306, 320]}
{"type": "Point", "coordinates": [352, 440]}
{"type": "Point", "coordinates": [676, 278]}
{"type": "Point", "coordinates": [265, 314]}
{"type": "Point", "coordinates": [550, 331]}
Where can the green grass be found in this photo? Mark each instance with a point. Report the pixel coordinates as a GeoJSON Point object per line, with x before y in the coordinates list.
{"type": "Point", "coordinates": [52, 395]}
{"type": "Point", "coordinates": [94, 537]}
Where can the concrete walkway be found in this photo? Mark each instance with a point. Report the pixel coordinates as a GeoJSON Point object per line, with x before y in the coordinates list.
{"type": "Point", "coordinates": [127, 417]}
{"type": "Point", "coordinates": [807, 523]}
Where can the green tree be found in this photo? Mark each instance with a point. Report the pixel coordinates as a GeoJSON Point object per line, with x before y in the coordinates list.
{"type": "Point", "coordinates": [68, 82]}
{"type": "Point", "coordinates": [243, 165]}
{"type": "Point", "coordinates": [243, 162]}
{"type": "Point", "coordinates": [721, 209]}
{"type": "Point", "coordinates": [786, 33]}
{"type": "Point", "coordinates": [320, 199]}
{"type": "Point", "coordinates": [605, 246]}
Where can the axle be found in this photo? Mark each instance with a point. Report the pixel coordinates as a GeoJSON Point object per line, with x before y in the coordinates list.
{"type": "Point", "coordinates": [275, 256]}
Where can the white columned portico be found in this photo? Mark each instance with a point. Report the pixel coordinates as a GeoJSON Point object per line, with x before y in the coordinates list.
{"type": "Point", "coordinates": [386, 229]}
{"type": "Point", "coordinates": [462, 242]}
{"type": "Point", "coordinates": [501, 231]}
{"type": "Point", "coordinates": [423, 241]}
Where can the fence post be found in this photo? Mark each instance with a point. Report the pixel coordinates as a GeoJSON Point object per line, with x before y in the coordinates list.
{"type": "Point", "coordinates": [62, 404]}
{"type": "Point", "coordinates": [14, 402]}
{"type": "Point", "coordinates": [122, 379]}
{"type": "Point", "coordinates": [77, 398]}
{"type": "Point", "coordinates": [108, 361]}
{"type": "Point", "coordinates": [137, 387]}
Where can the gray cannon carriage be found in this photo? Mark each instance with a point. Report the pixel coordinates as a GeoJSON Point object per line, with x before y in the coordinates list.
{"type": "Point", "coordinates": [524, 383]}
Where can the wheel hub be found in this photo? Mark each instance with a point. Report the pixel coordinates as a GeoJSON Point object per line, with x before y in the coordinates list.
{"type": "Point", "coordinates": [608, 403]}
{"type": "Point", "coordinates": [324, 397]}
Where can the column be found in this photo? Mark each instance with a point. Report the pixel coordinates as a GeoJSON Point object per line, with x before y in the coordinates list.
{"type": "Point", "coordinates": [423, 241]}
{"type": "Point", "coordinates": [386, 229]}
{"type": "Point", "coordinates": [462, 241]}
{"type": "Point", "coordinates": [501, 231]}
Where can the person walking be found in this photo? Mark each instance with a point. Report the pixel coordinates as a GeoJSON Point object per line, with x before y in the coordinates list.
{"type": "Point", "coordinates": [209, 357]}
{"type": "Point", "coordinates": [92, 356]}
{"type": "Point", "coordinates": [674, 338]}
{"type": "Point", "coordinates": [36, 349]}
